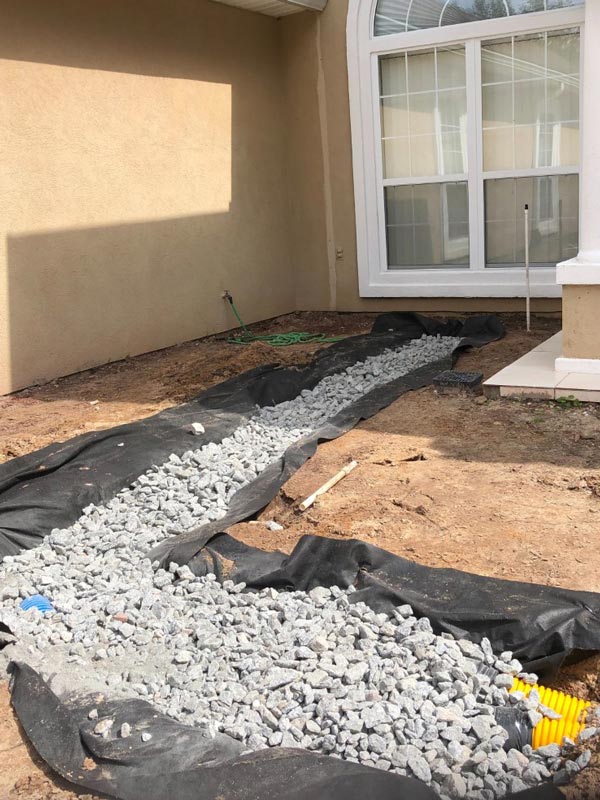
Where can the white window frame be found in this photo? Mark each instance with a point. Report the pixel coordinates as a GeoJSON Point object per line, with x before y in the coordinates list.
{"type": "Point", "coordinates": [363, 51]}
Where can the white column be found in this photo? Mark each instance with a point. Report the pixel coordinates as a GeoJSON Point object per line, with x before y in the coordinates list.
{"type": "Point", "coordinates": [585, 268]}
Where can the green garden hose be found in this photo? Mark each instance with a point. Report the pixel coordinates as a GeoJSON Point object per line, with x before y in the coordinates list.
{"type": "Point", "coordinates": [276, 339]}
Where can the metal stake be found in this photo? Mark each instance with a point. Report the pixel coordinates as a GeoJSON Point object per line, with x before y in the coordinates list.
{"type": "Point", "coordinates": [527, 283]}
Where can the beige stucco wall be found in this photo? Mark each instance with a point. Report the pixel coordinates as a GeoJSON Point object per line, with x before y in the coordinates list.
{"type": "Point", "coordinates": [581, 305]}
{"type": "Point", "coordinates": [156, 152]}
{"type": "Point", "coordinates": [141, 173]}
{"type": "Point", "coordinates": [323, 220]}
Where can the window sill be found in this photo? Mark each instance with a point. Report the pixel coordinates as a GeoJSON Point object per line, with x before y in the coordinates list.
{"type": "Point", "coordinates": [460, 283]}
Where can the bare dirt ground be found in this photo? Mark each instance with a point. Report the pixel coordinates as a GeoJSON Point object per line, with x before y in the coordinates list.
{"type": "Point", "coordinates": [501, 488]}
{"type": "Point", "coordinates": [138, 387]}
{"type": "Point", "coordinates": [23, 774]}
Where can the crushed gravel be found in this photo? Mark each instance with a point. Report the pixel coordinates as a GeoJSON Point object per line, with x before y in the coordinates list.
{"type": "Point", "coordinates": [315, 670]}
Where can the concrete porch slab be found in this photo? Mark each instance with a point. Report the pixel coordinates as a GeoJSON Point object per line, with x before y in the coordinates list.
{"type": "Point", "coordinates": [534, 376]}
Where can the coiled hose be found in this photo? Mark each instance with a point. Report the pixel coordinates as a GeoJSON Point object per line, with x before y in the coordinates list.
{"type": "Point", "coordinates": [276, 339]}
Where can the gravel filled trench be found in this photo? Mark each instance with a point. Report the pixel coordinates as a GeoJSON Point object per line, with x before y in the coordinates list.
{"type": "Point", "coordinates": [313, 670]}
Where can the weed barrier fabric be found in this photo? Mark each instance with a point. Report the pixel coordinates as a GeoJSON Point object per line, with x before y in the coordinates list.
{"type": "Point", "coordinates": [49, 488]}
{"type": "Point", "coordinates": [181, 762]}
{"type": "Point", "coordinates": [540, 624]}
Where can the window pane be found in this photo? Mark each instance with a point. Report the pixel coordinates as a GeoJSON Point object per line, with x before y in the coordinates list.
{"type": "Point", "coordinates": [451, 68]}
{"type": "Point", "coordinates": [499, 148]}
{"type": "Point", "coordinates": [563, 100]}
{"type": "Point", "coordinates": [452, 154]}
{"type": "Point", "coordinates": [497, 105]}
{"type": "Point", "coordinates": [497, 62]}
{"type": "Point", "coordinates": [396, 158]}
{"type": "Point", "coordinates": [422, 113]}
{"type": "Point", "coordinates": [540, 103]}
{"type": "Point", "coordinates": [423, 155]}
{"type": "Point", "coordinates": [398, 16]}
{"type": "Point", "coordinates": [567, 145]}
{"type": "Point", "coordinates": [431, 115]}
{"type": "Point", "coordinates": [427, 225]}
{"type": "Point", "coordinates": [563, 54]}
{"type": "Point", "coordinates": [530, 102]}
{"type": "Point", "coordinates": [421, 72]}
{"type": "Point", "coordinates": [394, 116]}
{"type": "Point", "coordinates": [530, 56]}
{"type": "Point", "coordinates": [393, 75]}
{"type": "Point", "coordinates": [553, 219]}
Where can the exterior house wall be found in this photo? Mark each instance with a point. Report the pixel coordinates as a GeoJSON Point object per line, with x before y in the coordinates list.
{"type": "Point", "coordinates": [318, 45]}
{"type": "Point", "coordinates": [141, 174]}
{"type": "Point", "coordinates": [153, 154]}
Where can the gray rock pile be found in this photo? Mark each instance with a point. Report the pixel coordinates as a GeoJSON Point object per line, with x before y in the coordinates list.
{"type": "Point", "coordinates": [313, 670]}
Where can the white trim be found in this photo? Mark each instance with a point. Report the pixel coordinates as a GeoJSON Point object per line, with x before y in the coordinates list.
{"type": "Point", "coordinates": [589, 366]}
{"type": "Point", "coordinates": [363, 50]}
{"type": "Point", "coordinates": [533, 172]}
{"type": "Point", "coordinates": [458, 178]}
{"type": "Point", "coordinates": [472, 62]}
{"type": "Point", "coordinates": [450, 282]}
{"type": "Point", "coordinates": [476, 214]}
{"type": "Point", "coordinates": [379, 166]}
{"type": "Point", "coordinates": [577, 272]}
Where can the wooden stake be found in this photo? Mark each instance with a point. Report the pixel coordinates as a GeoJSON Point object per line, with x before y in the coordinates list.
{"type": "Point", "coordinates": [327, 486]}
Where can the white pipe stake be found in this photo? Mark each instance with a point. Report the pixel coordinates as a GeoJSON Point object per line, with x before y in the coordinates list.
{"type": "Point", "coordinates": [327, 486]}
{"type": "Point", "coordinates": [527, 282]}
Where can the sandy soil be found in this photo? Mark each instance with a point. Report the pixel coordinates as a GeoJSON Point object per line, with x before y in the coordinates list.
{"type": "Point", "coordinates": [23, 774]}
{"type": "Point", "coordinates": [500, 488]}
{"type": "Point", "coordinates": [138, 387]}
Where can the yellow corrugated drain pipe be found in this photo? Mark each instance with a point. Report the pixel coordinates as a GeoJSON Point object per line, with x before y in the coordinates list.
{"type": "Point", "coordinates": [552, 731]}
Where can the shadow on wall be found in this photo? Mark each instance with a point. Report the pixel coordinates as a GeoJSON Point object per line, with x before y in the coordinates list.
{"type": "Point", "coordinates": [85, 297]}
{"type": "Point", "coordinates": [143, 142]}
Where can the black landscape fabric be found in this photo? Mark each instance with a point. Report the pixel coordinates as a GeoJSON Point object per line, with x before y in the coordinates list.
{"type": "Point", "coordinates": [541, 624]}
{"type": "Point", "coordinates": [181, 763]}
{"type": "Point", "coordinates": [49, 489]}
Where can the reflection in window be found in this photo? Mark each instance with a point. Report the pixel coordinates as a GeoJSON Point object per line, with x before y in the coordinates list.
{"type": "Point", "coordinates": [427, 225]}
{"type": "Point", "coordinates": [531, 101]}
{"type": "Point", "coordinates": [424, 113]}
{"type": "Point", "coordinates": [400, 16]}
{"type": "Point", "coordinates": [553, 202]}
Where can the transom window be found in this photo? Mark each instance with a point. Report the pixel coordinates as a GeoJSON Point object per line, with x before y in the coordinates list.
{"type": "Point", "coordinates": [468, 126]}
{"type": "Point", "coordinates": [399, 16]}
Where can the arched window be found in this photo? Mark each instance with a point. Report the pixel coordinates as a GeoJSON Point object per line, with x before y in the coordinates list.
{"type": "Point", "coordinates": [399, 16]}
{"type": "Point", "coordinates": [463, 112]}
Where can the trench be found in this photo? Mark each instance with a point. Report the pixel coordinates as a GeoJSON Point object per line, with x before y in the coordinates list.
{"type": "Point", "coordinates": [211, 505]}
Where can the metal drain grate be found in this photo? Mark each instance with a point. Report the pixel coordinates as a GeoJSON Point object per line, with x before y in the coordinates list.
{"type": "Point", "coordinates": [453, 381]}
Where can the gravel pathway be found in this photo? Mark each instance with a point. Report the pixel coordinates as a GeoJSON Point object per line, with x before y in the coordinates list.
{"type": "Point", "coordinates": [292, 669]}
